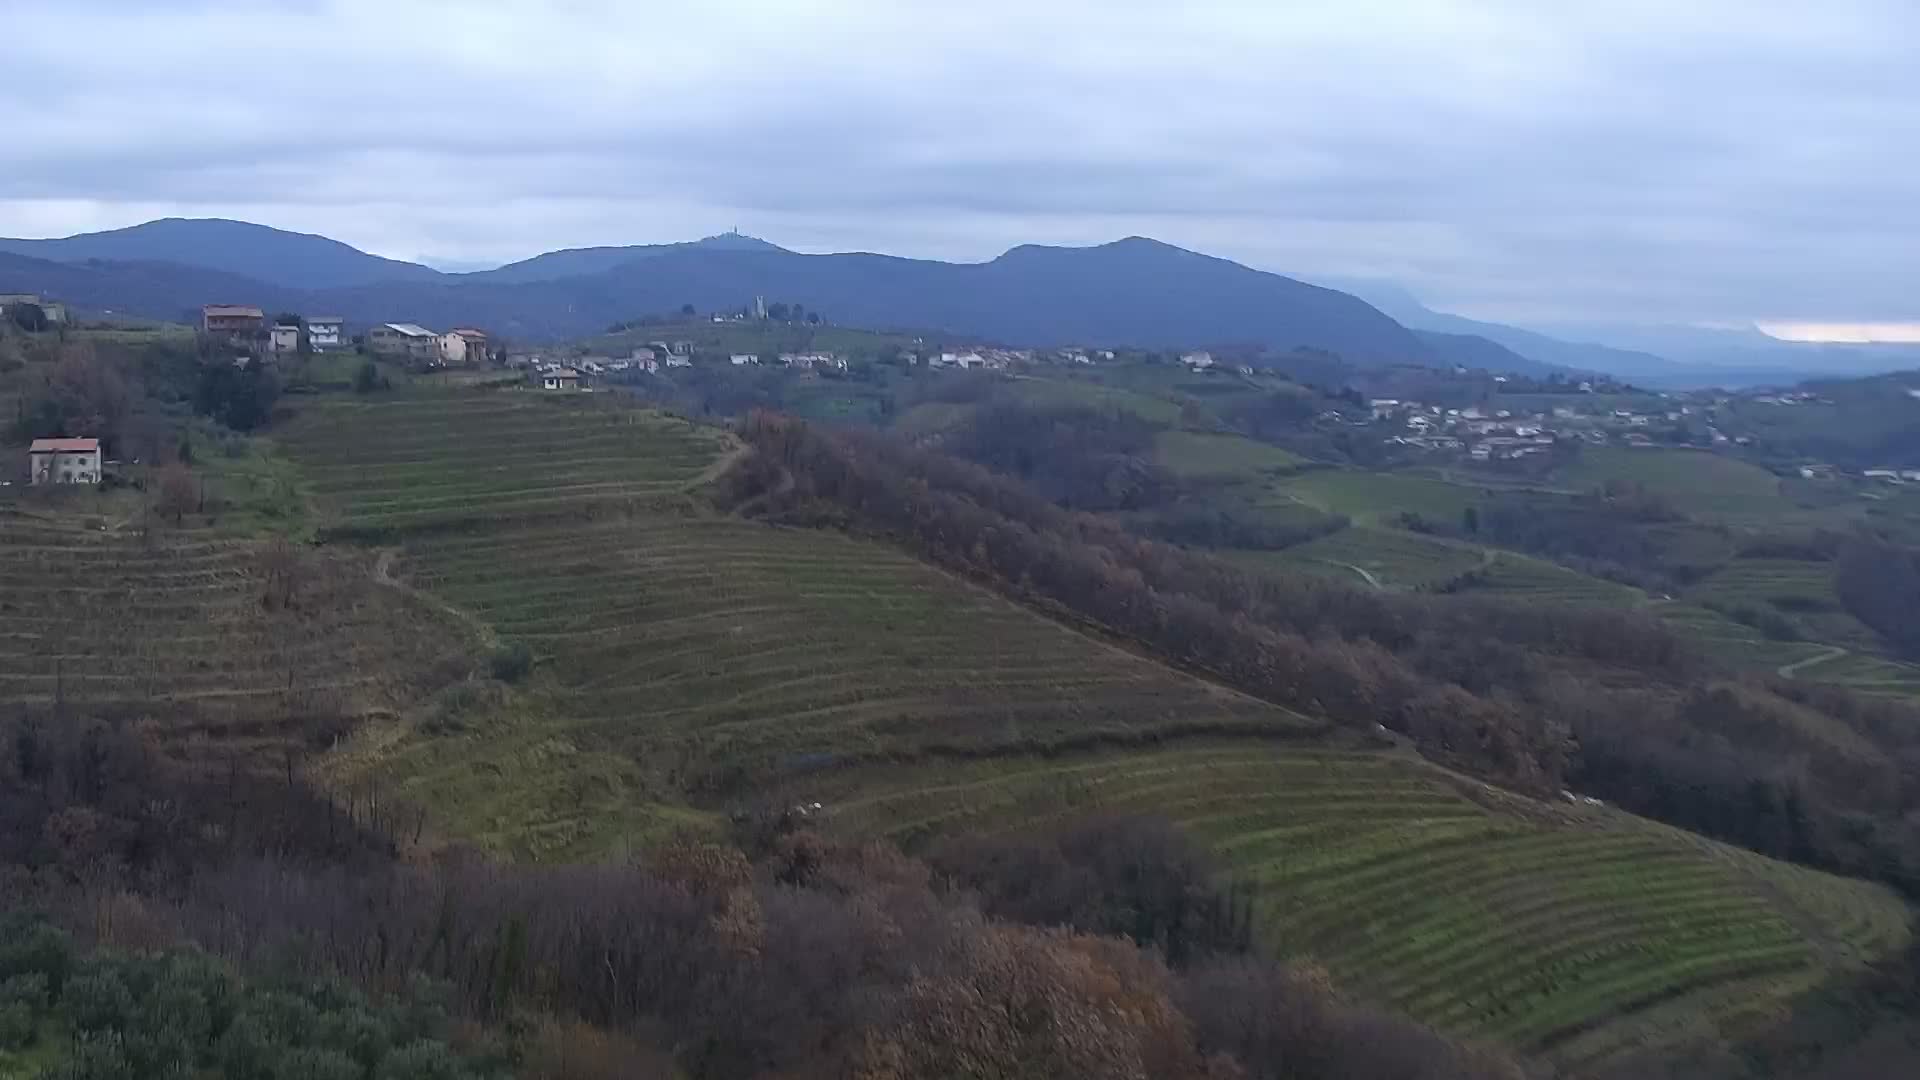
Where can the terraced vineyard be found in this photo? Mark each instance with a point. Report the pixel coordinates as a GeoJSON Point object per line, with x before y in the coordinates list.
{"type": "Point", "coordinates": [96, 620]}
{"type": "Point", "coordinates": [1519, 577]}
{"type": "Point", "coordinates": [1571, 931]}
{"type": "Point", "coordinates": [748, 642]}
{"type": "Point", "coordinates": [1803, 589]}
{"type": "Point", "coordinates": [1734, 642]}
{"type": "Point", "coordinates": [679, 649]}
{"type": "Point", "coordinates": [429, 459]}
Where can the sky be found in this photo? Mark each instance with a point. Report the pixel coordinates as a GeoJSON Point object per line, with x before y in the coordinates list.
{"type": "Point", "coordinates": [1706, 162]}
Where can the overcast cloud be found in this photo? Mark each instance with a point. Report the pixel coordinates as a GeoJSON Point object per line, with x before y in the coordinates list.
{"type": "Point", "coordinates": [1711, 161]}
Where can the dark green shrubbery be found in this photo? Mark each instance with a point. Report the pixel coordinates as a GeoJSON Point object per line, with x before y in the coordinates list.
{"type": "Point", "coordinates": [182, 1014]}
{"type": "Point", "coordinates": [511, 663]}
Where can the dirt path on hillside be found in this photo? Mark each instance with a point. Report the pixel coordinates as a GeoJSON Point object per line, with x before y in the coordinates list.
{"type": "Point", "coordinates": [720, 465]}
{"type": "Point", "coordinates": [1362, 571]}
{"type": "Point", "coordinates": [383, 575]}
{"type": "Point", "coordinates": [1788, 671]}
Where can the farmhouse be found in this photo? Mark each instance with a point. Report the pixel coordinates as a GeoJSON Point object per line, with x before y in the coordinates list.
{"type": "Point", "coordinates": [323, 332]}
{"type": "Point", "coordinates": [560, 379]}
{"type": "Point", "coordinates": [404, 339]}
{"type": "Point", "coordinates": [1198, 361]}
{"type": "Point", "coordinates": [231, 319]}
{"type": "Point", "coordinates": [284, 338]}
{"type": "Point", "coordinates": [742, 359]}
{"type": "Point", "coordinates": [64, 461]}
{"type": "Point", "coordinates": [463, 345]}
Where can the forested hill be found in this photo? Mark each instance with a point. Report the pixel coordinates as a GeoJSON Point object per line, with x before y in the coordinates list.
{"type": "Point", "coordinates": [1131, 292]}
{"type": "Point", "coordinates": [275, 256]}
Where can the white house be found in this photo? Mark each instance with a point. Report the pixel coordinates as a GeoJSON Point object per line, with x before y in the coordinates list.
{"type": "Point", "coordinates": [284, 338]}
{"type": "Point", "coordinates": [678, 360]}
{"type": "Point", "coordinates": [1198, 361]}
{"type": "Point", "coordinates": [463, 345]}
{"type": "Point", "coordinates": [560, 379]}
{"type": "Point", "coordinates": [810, 361]}
{"type": "Point", "coordinates": [742, 359]}
{"type": "Point", "coordinates": [323, 332]}
{"type": "Point", "coordinates": [64, 461]}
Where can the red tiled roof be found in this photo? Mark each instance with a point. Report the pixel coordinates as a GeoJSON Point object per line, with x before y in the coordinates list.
{"type": "Point", "coordinates": [63, 446]}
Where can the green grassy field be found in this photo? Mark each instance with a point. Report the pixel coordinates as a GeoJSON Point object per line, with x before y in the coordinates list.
{"type": "Point", "coordinates": [1556, 929]}
{"type": "Point", "coordinates": [932, 418]}
{"type": "Point", "coordinates": [1369, 496]}
{"type": "Point", "coordinates": [1701, 483]}
{"type": "Point", "coordinates": [1203, 455]}
{"type": "Point", "coordinates": [1391, 558]}
{"type": "Point", "coordinates": [1043, 393]}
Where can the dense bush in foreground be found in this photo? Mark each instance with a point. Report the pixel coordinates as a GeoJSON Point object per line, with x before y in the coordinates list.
{"type": "Point", "coordinates": [181, 1014]}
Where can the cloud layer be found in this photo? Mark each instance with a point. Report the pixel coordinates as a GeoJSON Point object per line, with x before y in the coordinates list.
{"type": "Point", "coordinates": [1708, 161]}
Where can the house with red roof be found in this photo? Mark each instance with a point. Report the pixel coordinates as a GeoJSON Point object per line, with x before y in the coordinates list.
{"type": "Point", "coordinates": [64, 461]}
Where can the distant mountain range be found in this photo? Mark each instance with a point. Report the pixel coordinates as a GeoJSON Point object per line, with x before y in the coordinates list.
{"type": "Point", "coordinates": [1131, 292]}
{"type": "Point", "coordinates": [289, 259]}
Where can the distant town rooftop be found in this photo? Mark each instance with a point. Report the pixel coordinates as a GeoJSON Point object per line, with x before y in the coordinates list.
{"type": "Point", "coordinates": [233, 310]}
{"type": "Point", "coordinates": [409, 329]}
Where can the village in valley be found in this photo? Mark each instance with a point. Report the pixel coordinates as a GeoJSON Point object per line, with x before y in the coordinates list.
{"type": "Point", "coordinates": [1468, 417]}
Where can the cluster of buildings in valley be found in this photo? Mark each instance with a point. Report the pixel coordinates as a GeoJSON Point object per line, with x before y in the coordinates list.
{"type": "Point", "coordinates": [1486, 433]}
{"type": "Point", "coordinates": [244, 325]}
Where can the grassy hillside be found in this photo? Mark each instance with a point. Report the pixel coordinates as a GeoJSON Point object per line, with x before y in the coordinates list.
{"type": "Point", "coordinates": [1374, 496]}
{"type": "Point", "coordinates": [1044, 393]}
{"type": "Point", "coordinates": [1566, 930]}
{"type": "Point", "coordinates": [1380, 557]}
{"type": "Point", "coordinates": [1203, 455]}
{"type": "Point", "coordinates": [678, 651]}
{"type": "Point", "coordinates": [1713, 485]}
